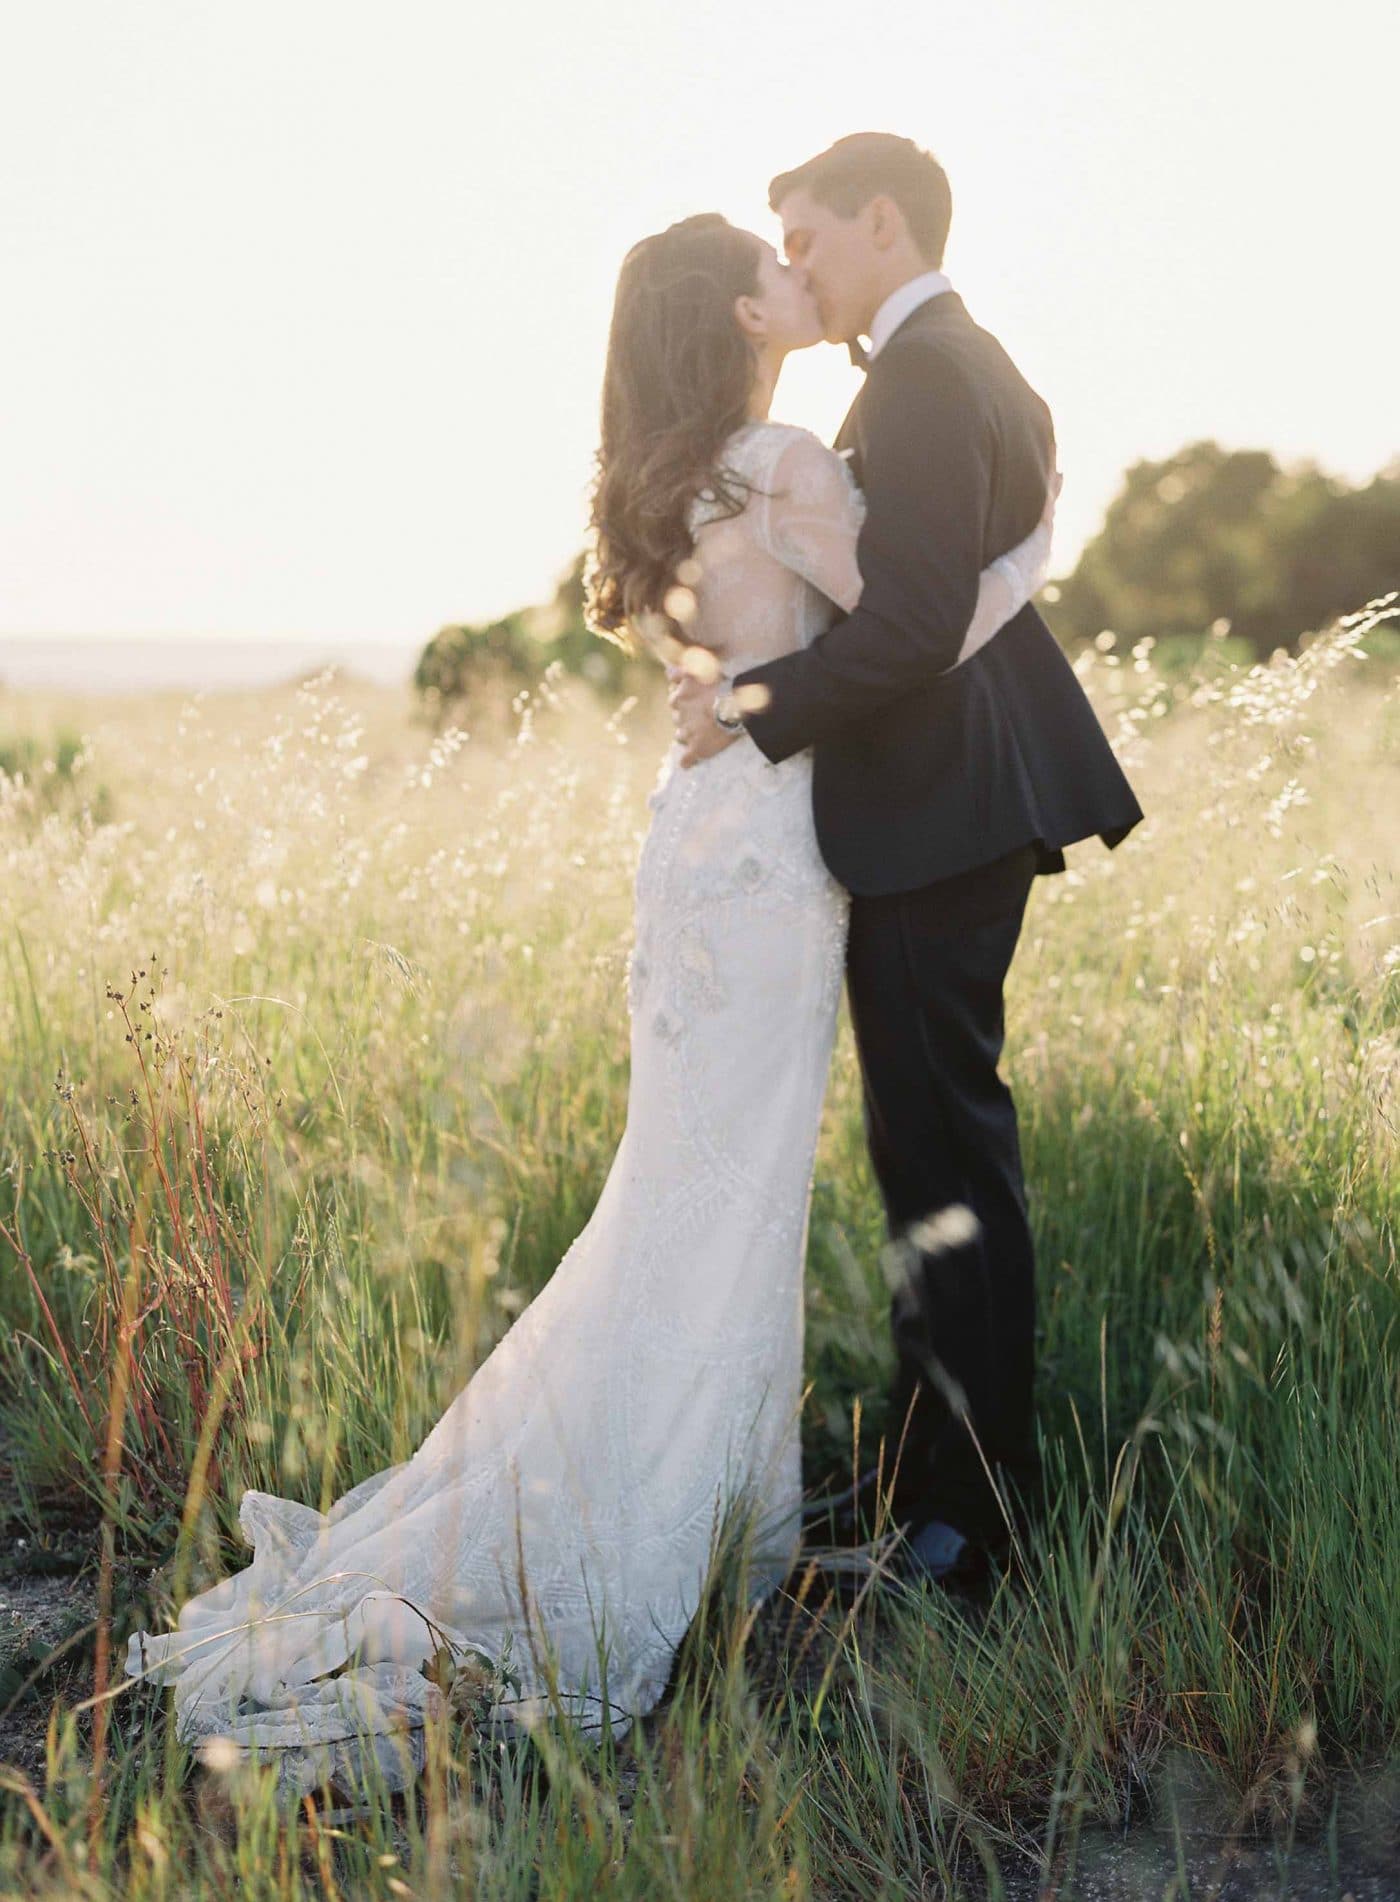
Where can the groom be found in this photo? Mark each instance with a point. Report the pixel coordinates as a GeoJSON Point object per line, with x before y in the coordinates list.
{"type": "Point", "coordinates": [938, 795]}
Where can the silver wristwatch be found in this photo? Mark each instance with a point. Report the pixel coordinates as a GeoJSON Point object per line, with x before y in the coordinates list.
{"type": "Point", "coordinates": [724, 721]}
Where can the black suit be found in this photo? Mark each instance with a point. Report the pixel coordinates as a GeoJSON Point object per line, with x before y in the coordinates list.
{"type": "Point", "coordinates": [938, 795]}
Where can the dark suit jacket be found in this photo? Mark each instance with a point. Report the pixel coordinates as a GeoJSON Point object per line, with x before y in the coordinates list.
{"type": "Point", "coordinates": [920, 772]}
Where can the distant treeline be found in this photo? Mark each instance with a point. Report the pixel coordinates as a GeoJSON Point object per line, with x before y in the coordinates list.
{"type": "Point", "coordinates": [1209, 541]}
{"type": "Point", "coordinates": [1214, 536]}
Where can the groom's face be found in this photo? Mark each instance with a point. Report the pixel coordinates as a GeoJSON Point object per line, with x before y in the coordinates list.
{"type": "Point", "coordinates": [838, 259]}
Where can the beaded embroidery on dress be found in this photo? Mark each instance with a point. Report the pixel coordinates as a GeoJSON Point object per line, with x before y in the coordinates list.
{"type": "Point", "coordinates": [658, 1373]}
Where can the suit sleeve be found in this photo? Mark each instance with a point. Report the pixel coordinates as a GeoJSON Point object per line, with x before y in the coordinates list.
{"type": "Point", "coordinates": [926, 464]}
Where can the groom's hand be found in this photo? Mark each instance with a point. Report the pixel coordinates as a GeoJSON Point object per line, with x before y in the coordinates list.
{"type": "Point", "coordinates": [692, 703]}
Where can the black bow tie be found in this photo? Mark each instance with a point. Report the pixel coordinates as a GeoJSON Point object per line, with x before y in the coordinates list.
{"type": "Point", "coordinates": [860, 356]}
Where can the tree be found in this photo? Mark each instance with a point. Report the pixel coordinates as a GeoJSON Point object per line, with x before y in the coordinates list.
{"type": "Point", "coordinates": [1212, 535]}
{"type": "Point", "coordinates": [461, 658]}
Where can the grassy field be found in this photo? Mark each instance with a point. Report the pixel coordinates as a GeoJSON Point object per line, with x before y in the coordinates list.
{"type": "Point", "coordinates": [312, 1062]}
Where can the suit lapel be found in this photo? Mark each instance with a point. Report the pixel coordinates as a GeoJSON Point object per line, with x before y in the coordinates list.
{"type": "Point", "coordinates": [946, 307]}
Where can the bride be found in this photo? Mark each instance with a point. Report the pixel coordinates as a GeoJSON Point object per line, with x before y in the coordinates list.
{"type": "Point", "coordinates": [560, 1518]}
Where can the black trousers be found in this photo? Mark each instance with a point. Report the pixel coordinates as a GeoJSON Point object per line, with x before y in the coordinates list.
{"type": "Point", "coordinates": [925, 971]}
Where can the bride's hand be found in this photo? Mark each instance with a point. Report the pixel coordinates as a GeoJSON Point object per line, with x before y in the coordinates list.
{"type": "Point", "coordinates": [1047, 518]}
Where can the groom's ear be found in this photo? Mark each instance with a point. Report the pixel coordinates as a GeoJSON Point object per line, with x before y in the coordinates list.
{"type": "Point", "coordinates": [885, 221]}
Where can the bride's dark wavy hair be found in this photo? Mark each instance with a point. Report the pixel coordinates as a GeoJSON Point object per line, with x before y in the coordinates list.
{"type": "Point", "coordinates": [677, 383]}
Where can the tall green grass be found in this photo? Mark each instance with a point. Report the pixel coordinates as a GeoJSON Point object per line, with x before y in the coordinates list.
{"type": "Point", "coordinates": [312, 1062]}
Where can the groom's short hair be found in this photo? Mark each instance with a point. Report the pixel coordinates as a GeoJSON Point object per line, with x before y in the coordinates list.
{"type": "Point", "coordinates": [868, 165]}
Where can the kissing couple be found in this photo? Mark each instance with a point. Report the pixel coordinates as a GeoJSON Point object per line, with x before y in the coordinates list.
{"type": "Point", "coordinates": [879, 747]}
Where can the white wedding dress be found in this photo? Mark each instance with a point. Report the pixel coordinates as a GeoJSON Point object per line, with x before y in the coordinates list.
{"type": "Point", "coordinates": [657, 1375]}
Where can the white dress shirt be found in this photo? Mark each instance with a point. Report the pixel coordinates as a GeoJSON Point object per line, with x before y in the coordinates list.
{"type": "Point", "coordinates": [901, 304]}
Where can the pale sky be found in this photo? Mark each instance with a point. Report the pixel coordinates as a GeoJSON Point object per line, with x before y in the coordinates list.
{"type": "Point", "coordinates": [305, 304]}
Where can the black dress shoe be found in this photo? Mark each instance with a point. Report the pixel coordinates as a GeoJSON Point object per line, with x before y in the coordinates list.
{"type": "Point", "coordinates": [936, 1553]}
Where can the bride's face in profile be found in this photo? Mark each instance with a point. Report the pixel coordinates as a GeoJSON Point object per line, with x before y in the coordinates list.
{"type": "Point", "coordinates": [782, 312]}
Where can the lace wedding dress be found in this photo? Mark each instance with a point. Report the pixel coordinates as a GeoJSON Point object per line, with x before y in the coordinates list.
{"type": "Point", "coordinates": [563, 1509]}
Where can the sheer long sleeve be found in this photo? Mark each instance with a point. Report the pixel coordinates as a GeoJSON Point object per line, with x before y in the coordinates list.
{"type": "Point", "coordinates": [810, 520]}
{"type": "Point", "coordinates": [1004, 588]}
